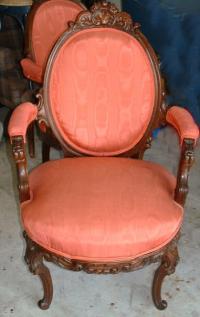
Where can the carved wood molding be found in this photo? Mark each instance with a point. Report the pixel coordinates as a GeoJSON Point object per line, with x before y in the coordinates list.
{"type": "Point", "coordinates": [170, 261]}
{"type": "Point", "coordinates": [186, 162]}
{"type": "Point", "coordinates": [101, 267]}
{"type": "Point", "coordinates": [41, 117]}
{"type": "Point", "coordinates": [164, 107]}
{"type": "Point", "coordinates": [104, 14]}
{"type": "Point", "coordinates": [18, 149]}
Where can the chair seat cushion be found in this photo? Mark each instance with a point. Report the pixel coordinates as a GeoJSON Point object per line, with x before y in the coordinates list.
{"type": "Point", "coordinates": [101, 209]}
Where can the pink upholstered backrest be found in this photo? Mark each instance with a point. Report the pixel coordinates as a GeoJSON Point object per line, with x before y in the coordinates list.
{"type": "Point", "coordinates": [101, 91]}
{"type": "Point", "coordinates": [49, 22]}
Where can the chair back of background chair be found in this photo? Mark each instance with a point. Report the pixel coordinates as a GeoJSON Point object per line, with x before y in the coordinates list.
{"type": "Point", "coordinates": [102, 86]}
{"type": "Point", "coordinates": [46, 22]}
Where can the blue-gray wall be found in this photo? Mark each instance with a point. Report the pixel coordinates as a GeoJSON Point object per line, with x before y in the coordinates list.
{"type": "Point", "coordinates": [173, 28]}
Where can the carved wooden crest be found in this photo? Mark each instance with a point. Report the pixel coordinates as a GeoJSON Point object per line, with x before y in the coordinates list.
{"type": "Point", "coordinates": [104, 14]}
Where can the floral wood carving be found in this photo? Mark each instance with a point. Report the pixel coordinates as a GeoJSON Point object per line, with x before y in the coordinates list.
{"type": "Point", "coordinates": [164, 107]}
{"type": "Point", "coordinates": [103, 268]}
{"type": "Point", "coordinates": [19, 155]}
{"type": "Point", "coordinates": [41, 117]}
{"type": "Point", "coordinates": [148, 143]}
{"type": "Point", "coordinates": [104, 14]}
{"type": "Point", "coordinates": [186, 162]}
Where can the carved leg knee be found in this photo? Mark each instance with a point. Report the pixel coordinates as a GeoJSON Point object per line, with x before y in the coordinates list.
{"type": "Point", "coordinates": [34, 259]}
{"type": "Point", "coordinates": [167, 267]}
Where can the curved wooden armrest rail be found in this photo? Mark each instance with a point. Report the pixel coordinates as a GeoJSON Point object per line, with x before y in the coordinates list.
{"type": "Point", "coordinates": [186, 161]}
{"type": "Point", "coordinates": [18, 149]}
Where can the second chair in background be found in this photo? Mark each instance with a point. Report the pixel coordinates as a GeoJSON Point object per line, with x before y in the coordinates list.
{"type": "Point", "coordinates": [47, 20]}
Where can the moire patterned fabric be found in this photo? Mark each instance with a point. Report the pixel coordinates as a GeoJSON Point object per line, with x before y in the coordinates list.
{"type": "Point", "coordinates": [102, 91]}
{"type": "Point", "coordinates": [49, 23]}
{"type": "Point", "coordinates": [101, 208]}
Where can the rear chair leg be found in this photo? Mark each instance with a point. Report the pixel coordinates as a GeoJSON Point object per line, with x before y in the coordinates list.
{"type": "Point", "coordinates": [31, 140]}
{"type": "Point", "coordinates": [45, 152]}
{"type": "Point", "coordinates": [34, 260]}
{"type": "Point", "coordinates": [168, 265]}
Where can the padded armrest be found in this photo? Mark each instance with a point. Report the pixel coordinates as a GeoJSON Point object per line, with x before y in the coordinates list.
{"type": "Point", "coordinates": [31, 70]}
{"type": "Point", "coordinates": [183, 122]}
{"type": "Point", "coordinates": [20, 119]}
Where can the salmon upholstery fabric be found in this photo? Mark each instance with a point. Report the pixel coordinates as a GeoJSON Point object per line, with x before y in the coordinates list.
{"type": "Point", "coordinates": [183, 122]}
{"type": "Point", "coordinates": [50, 21]}
{"type": "Point", "coordinates": [101, 209]}
{"type": "Point", "coordinates": [103, 103]}
{"type": "Point", "coordinates": [31, 70]}
{"type": "Point", "coordinates": [20, 119]}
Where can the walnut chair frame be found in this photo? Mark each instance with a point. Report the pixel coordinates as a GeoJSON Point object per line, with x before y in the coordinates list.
{"type": "Point", "coordinates": [104, 14]}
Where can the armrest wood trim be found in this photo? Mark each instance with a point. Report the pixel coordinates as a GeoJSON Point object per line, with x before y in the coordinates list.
{"type": "Point", "coordinates": [186, 161]}
{"type": "Point", "coordinates": [18, 150]}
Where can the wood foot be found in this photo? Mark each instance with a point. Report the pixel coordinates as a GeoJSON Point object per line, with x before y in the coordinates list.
{"type": "Point", "coordinates": [43, 305]}
{"type": "Point", "coordinates": [31, 140]}
{"type": "Point", "coordinates": [45, 152]}
{"type": "Point", "coordinates": [167, 267]}
{"type": "Point", "coordinates": [34, 260]}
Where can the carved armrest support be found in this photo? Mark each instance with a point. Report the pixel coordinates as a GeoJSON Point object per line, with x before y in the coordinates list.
{"type": "Point", "coordinates": [18, 149]}
{"type": "Point", "coordinates": [186, 162]}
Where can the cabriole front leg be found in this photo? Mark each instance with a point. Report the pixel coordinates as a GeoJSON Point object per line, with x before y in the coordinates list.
{"type": "Point", "coordinates": [168, 264]}
{"type": "Point", "coordinates": [34, 259]}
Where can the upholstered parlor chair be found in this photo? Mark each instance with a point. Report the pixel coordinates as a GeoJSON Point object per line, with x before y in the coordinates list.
{"type": "Point", "coordinates": [47, 20]}
{"type": "Point", "coordinates": [102, 208]}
